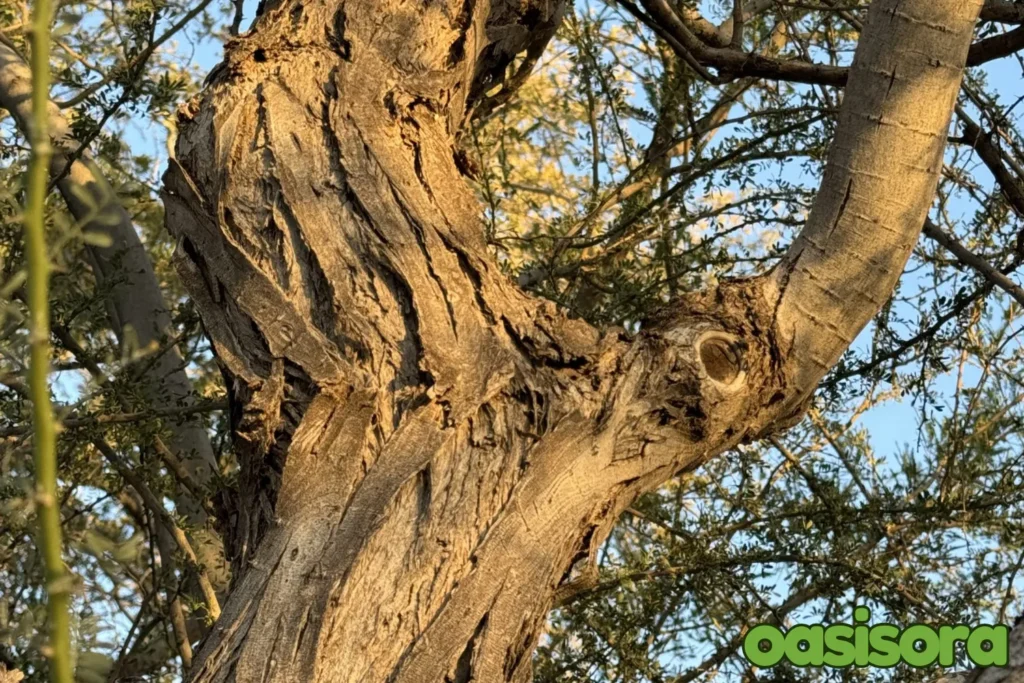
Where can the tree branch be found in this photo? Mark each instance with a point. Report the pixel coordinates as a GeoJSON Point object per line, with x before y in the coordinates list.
{"type": "Point", "coordinates": [164, 517]}
{"type": "Point", "coordinates": [139, 59]}
{"type": "Point", "coordinates": [982, 143]}
{"type": "Point", "coordinates": [996, 47]}
{"type": "Point", "coordinates": [124, 418]}
{"type": "Point", "coordinates": [969, 258]}
{"type": "Point", "coordinates": [1003, 11]}
{"type": "Point", "coordinates": [702, 45]}
{"type": "Point", "coordinates": [135, 300]}
{"type": "Point", "coordinates": [864, 224]}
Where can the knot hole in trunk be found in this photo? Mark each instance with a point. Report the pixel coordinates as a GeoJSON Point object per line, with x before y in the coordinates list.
{"type": "Point", "coordinates": [723, 357]}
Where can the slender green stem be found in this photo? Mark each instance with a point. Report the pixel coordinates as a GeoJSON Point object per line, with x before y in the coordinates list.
{"type": "Point", "coordinates": [47, 502]}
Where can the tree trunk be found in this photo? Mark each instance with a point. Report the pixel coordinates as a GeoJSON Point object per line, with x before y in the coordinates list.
{"type": "Point", "coordinates": [429, 456]}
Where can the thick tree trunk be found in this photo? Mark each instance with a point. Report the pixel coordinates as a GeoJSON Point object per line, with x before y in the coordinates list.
{"type": "Point", "coordinates": [427, 452]}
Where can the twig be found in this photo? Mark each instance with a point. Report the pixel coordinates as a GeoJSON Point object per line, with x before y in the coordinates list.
{"type": "Point", "coordinates": [173, 462]}
{"type": "Point", "coordinates": [131, 633]}
{"type": "Point", "coordinates": [151, 501]}
{"type": "Point", "coordinates": [969, 258]}
{"type": "Point", "coordinates": [124, 418]}
{"type": "Point", "coordinates": [58, 586]}
{"type": "Point", "coordinates": [139, 59]}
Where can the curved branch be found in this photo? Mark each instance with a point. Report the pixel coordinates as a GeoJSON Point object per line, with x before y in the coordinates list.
{"type": "Point", "coordinates": [705, 46]}
{"type": "Point", "coordinates": [879, 181]}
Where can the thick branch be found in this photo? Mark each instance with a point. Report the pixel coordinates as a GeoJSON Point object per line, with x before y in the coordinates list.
{"type": "Point", "coordinates": [135, 300]}
{"type": "Point", "coordinates": [1011, 186]}
{"type": "Point", "coordinates": [879, 182]}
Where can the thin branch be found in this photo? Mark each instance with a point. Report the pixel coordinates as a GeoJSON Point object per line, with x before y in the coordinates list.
{"type": "Point", "coordinates": [122, 653]}
{"type": "Point", "coordinates": [164, 517]}
{"type": "Point", "coordinates": [736, 41]}
{"type": "Point", "coordinates": [701, 49]}
{"type": "Point", "coordinates": [139, 59]}
{"type": "Point", "coordinates": [725, 651]}
{"type": "Point", "coordinates": [173, 462]}
{"type": "Point", "coordinates": [58, 582]}
{"type": "Point", "coordinates": [125, 418]}
{"type": "Point", "coordinates": [969, 258]}
{"type": "Point", "coordinates": [996, 47]}
{"type": "Point", "coordinates": [236, 22]}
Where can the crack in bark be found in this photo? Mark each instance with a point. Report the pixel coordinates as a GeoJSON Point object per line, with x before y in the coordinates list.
{"type": "Point", "coordinates": [418, 232]}
{"type": "Point", "coordinates": [336, 37]}
{"type": "Point", "coordinates": [842, 205]}
{"type": "Point", "coordinates": [464, 667]}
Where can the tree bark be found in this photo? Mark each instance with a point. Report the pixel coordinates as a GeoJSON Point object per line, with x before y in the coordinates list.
{"type": "Point", "coordinates": [428, 454]}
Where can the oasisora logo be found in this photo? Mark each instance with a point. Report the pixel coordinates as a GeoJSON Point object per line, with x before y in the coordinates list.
{"type": "Point", "coordinates": [878, 645]}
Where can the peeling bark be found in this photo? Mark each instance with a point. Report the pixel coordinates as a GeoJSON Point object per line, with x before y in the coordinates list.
{"type": "Point", "coordinates": [427, 452]}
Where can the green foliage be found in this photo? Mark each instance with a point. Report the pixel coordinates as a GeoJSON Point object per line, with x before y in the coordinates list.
{"type": "Point", "coordinates": [116, 70]}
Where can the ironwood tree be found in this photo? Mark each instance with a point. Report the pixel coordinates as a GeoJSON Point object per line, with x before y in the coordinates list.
{"type": "Point", "coordinates": [430, 454]}
{"type": "Point", "coordinates": [448, 447]}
